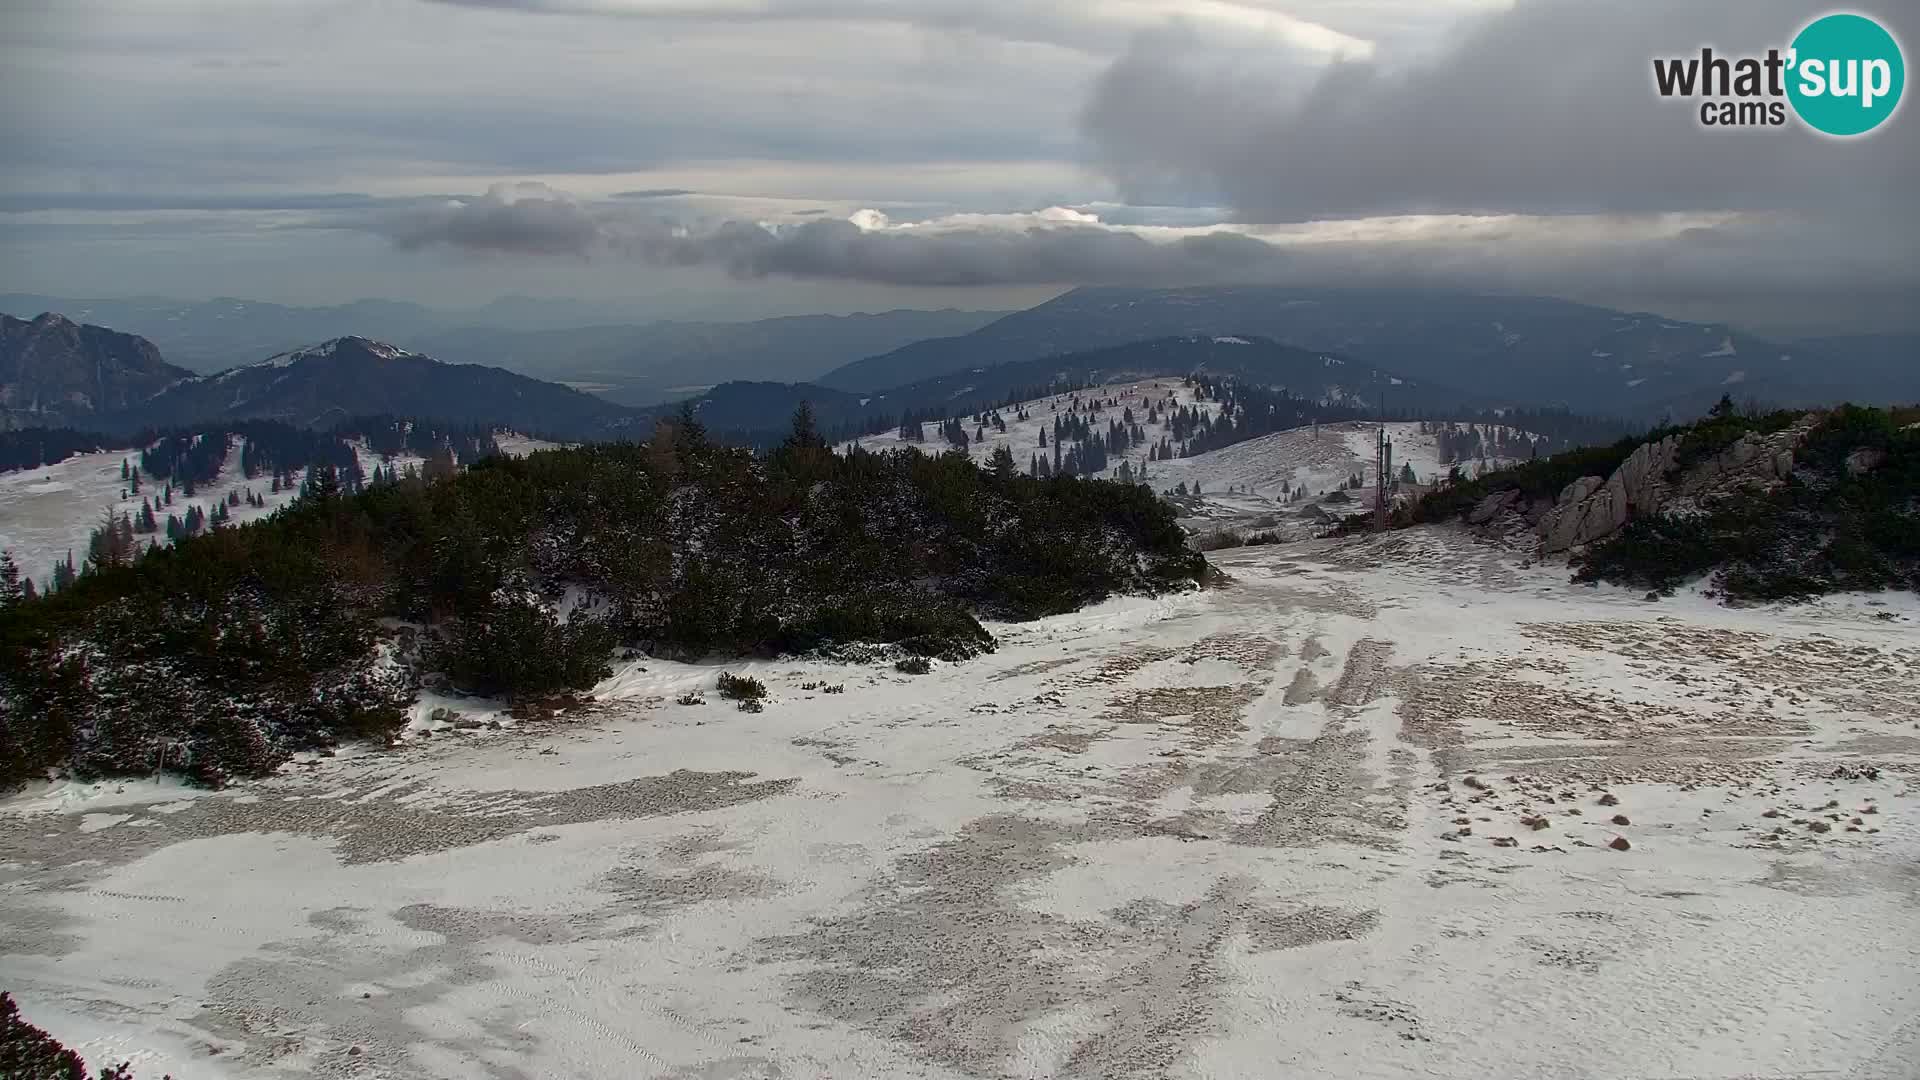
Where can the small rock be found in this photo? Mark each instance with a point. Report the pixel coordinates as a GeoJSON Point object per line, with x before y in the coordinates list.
{"type": "Point", "coordinates": [1622, 819]}
{"type": "Point", "coordinates": [1619, 843]}
{"type": "Point", "coordinates": [1771, 814]}
{"type": "Point", "coordinates": [354, 1051]}
{"type": "Point", "coordinates": [1535, 822]}
{"type": "Point", "coordinates": [1464, 830]}
{"type": "Point", "coordinates": [1869, 809]}
{"type": "Point", "coordinates": [1819, 826]}
{"type": "Point", "coordinates": [1462, 821]}
{"type": "Point", "coordinates": [1575, 811]}
{"type": "Point", "coordinates": [1505, 841]}
{"type": "Point", "coordinates": [1855, 821]}
{"type": "Point", "coordinates": [1609, 800]}
{"type": "Point", "coordinates": [1475, 783]}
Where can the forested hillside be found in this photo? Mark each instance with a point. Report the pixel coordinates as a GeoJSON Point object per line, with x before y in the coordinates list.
{"type": "Point", "coordinates": [223, 654]}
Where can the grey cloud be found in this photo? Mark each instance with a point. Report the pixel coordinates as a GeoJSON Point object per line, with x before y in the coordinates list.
{"type": "Point", "coordinates": [1734, 269]}
{"type": "Point", "coordinates": [531, 220]}
{"type": "Point", "coordinates": [1548, 107]}
{"type": "Point", "coordinates": [1100, 29]}
{"type": "Point", "coordinates": [27, 202]}
{"type": "Point", "coordinates": [524, 219]}
{"type": "Point", "coordinates": [962, 257]}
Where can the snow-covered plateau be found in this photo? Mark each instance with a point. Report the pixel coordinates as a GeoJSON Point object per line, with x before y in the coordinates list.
{"type": "Point", "coordinates": [1400, 806]}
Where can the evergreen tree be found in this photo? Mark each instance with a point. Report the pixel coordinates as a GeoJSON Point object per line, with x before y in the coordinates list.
{"type": "Point", "coordinates": [10, 591]}
{"type": "Point", "coordinates": [805, 433]}
{"type": "Point", "coordinates": [64, 575]}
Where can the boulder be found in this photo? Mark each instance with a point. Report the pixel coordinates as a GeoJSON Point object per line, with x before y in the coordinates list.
{"type": "Point", "coordinates": [1493, 506]}
{"type": "Point", "coordinates": [1864, 461]}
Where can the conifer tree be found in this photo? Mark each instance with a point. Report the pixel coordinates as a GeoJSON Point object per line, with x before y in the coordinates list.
{"type": "Point", "coordinates": [10, 591]}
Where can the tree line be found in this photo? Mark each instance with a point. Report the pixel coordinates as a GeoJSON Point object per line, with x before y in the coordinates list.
{"type": "Point", "coordinates": [221, 655]}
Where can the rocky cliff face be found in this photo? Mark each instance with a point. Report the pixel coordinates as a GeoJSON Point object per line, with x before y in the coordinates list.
{"type": "Point", "coordinates": [1593, 508]}
{"type": "Point", "coordinates": [55, 372]}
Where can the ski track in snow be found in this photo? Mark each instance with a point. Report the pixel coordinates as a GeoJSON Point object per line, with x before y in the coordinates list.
{"type": "Point", "coordinates": [1210, 835]}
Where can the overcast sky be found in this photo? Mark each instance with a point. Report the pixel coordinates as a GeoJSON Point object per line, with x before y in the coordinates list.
{"type": "Point", "coordinates": [735, 158]}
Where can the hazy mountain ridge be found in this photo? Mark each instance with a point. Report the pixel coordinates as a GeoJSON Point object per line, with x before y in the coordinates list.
{"type": "Point", "coordinates": [641, 364]}
{"type": "Point", "coordinates": [763, 407]}
{"type": "Point", "coordinates": [355, 376]}
{"type": "Point", "coordinates": [632, 361]}
{"type": "Point", "coordinates": [1516, 350]}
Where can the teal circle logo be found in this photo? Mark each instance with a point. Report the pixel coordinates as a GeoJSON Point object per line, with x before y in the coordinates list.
{"type": "Point", "coordinates": [1845, 74]}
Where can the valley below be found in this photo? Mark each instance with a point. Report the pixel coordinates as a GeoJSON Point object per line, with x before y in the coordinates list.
{"type": "Point", "coordinates": [1403, 806]}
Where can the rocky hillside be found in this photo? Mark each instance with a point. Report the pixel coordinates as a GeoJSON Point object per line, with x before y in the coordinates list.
{"type": "Point", "coordinates": [1780, 505]}
{"type": "Point", "coordinates": [55, 372]}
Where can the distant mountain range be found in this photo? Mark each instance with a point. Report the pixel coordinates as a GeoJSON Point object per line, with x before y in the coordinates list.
{"type": "Point", "coordinates": [641, 365]}
{"type": "Point", "coordinates": [1513, 350]}
{"type": "Point", "coordinates": [765, 407]}
{"type": "Point", "coordinates": [354, 376]}
{"type": "Point", "coordinates": [632, 363]}
{"type": "Point", "coordinates": [1407, 350]}
{"type": "Point", "coordinates": [54, 372]}
{"type": "Point", "coordinates": [57, 373]}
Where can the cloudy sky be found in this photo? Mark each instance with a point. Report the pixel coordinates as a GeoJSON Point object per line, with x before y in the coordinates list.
{"type": "Point", "coordinates": [736, 158]}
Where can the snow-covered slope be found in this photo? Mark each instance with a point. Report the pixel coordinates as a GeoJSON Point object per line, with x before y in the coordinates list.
{"type": "Point", "coordinates": [1023, 437]}
{"type": "Point", "coordinates": [1253, 479]}
{"type": "Point", "coordinates": [49, 511]}
{"type": "Point", "coordinates": [1349, 814]}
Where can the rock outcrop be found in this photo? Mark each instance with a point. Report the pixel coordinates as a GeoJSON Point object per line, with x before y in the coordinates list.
{"type": "Point", "coordinates": [1592, 508]}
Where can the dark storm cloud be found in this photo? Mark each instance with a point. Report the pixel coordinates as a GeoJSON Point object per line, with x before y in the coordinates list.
{"type": "Point", "coordinates": [1547, 107]}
